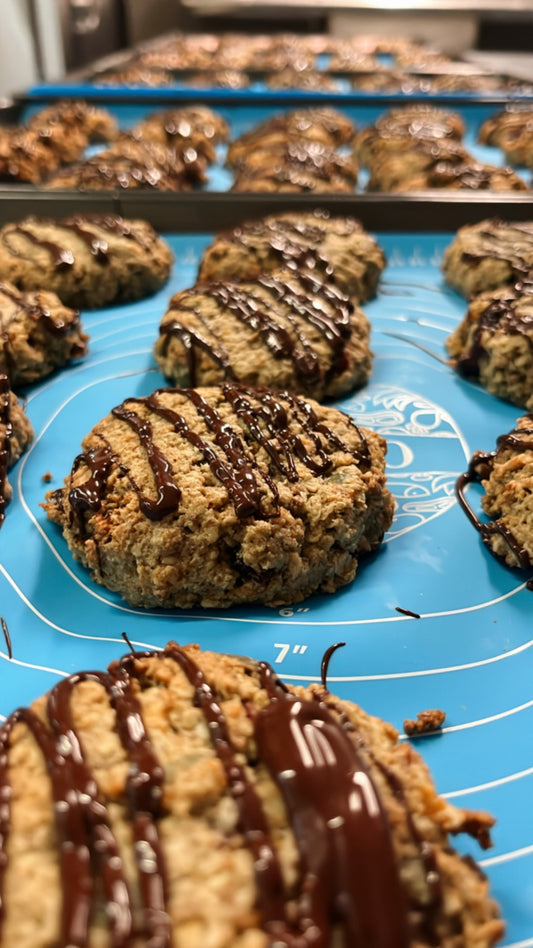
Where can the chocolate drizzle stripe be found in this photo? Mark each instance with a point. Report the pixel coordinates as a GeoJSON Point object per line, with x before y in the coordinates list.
{"type": "Point", "coordinates": [265, 419]}
{"type": "Point", "coordinates": [168, 492]}
{"type": "Point", "coordinates": [347, 864]}
{"type": "Point", "coordinates": [192, 338]}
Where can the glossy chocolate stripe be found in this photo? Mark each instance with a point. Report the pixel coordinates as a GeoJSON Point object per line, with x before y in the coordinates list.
{"type": "Point", "coordinates": [348, 868]}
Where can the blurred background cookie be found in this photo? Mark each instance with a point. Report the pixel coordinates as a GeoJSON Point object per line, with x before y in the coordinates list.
{"type": "Point", "coordinates": [88, 260]}
{"type": "Point", "coordinates": [38, 334]}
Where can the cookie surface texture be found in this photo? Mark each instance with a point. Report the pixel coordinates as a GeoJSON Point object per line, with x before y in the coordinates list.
{"type": "Point", "coordinates": [489, 254]}
{"type": "Point", "coordinates": [258, 815]}
{"type": "Point", "coordinates": [494, 343]}
{"type": "Point", "coordinates": [283, 330]}
{"type": "Point", "coordinates": [38, 334]}
{"type": "Point", "coordinates": [88, 260]}
{"type": "Point", "coordinates": [223, 495]}
{"type": "Point", "coordinates": [339, 245]}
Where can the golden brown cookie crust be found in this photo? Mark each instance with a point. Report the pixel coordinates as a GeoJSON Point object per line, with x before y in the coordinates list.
{"type": "Point", "coordinates": [89, 260]}
{"type": "Point", "coordinates": [224, 495]}
{"type": "Point", "coordinates": [210, 780]}
{"type": "Point", "coordinates": [286, 329]}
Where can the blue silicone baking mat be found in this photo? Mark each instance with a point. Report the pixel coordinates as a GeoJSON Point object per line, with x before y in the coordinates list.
{"type": "Point", "coordinates": [245, 115]}
{"type": "Point", "coordinates": [470, 652]}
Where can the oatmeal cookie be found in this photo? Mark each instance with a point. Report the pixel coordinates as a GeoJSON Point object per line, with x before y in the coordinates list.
{"type": "Point", "coordinates": [322, 125]}
{"type": "Point", "coordinates": [88, 260]}
{"type": "Point", "coordinates": [94, 122]}
{"type": "Point", "coordinates": [395, 163]}
{"type": "Point", "coordinates": [38, 334]}
{"type": "Point", "coordinates": [16, 433]}
{"type": "Point", "coordinates": [494, 343]}
{"type": "Point", "coordinates": [24, 157]}
{"type": "Point", "coordinates": [410, 124]}
{"type": "Point", "coordinates": [512, 131]}
{"type": "Point", "coordinates": [224, 495]}
{"type": "Point", "coordinates": [297, 167]}
{"type": "Point", "coordinates": [489, 254]}
{"type": "Point", "coordinates": [469, 175]}
{"type": "Point", "coordinates": [286, 329]}
{"type": "Point", "coordinates": [194, 126]}
{"type": "Point", "coordinates": [130, 164]}
{"type": "Point", "coordinates": [338, 246]}
{"type": "Point", "coordinates": [217, 806]}
{"type": "Point", "coordinates": [136, 74]}
{"type": "Point", "coordinates": [507, 478]}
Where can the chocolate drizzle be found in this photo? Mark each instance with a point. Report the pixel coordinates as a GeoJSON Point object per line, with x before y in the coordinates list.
{"type": "Point", "coordinates": [503, 315]}
{"type": "Point", "coordinates": [347, 868]}
{"type": "Point", "coordinates": [55, 325]}
{"type": "Point", "coordinates": [264, 418]}
{"type": "Point", "coordinates": [62, 257]}
{"type": "Point", "coordinates": [479, 469]}
{"type": "Point", "coordinates": [428, 907]}
{"type": "Point", "coordinates": [310, 303]}
{"type": "Point", "coordinates": [510, 243]}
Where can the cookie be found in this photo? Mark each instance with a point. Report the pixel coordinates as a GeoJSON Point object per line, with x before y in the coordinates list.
{"type": "Point", "coordinates": [494, 343]}
{"type": "Point", "coordinates": [16, 433]}
{"type": "Point", "coordinates": [469, 175]}
{"type": "Point", "coordinates": [512, 131]}
{"type": "Point", "coordinates": [292, 77]}
{"type": "Point", "coordinates": [395, 163]}
{"type": "Point", "coordinates": [90, 260]}
{"type": "Point", "coordinates": [297, 167]}
{"type": "Point", "coordinates": [130, 164]}
{"type": "Point", "coordinates": [24, 157]}
{"type": "Point", "coordinates": [194, 126]}
{"type": "Point", "coordinates": [285, 329]}
{"type": "Point", "coordinates": [338, 245]}
{"type": "Point", "coordinates": [141, 76]}
{"type": "Point", "coordinates": [488, 254]}
{"type": "Point", "coordinates": [507, 478]}
{"type": "Point", "coordinates": [38, 334]}
{"type": "Point", "coordinates": [209, 803]}
{"type": "Point", "coordinates": [94, 122]}
{"type": "Point", "coordinates": [325, 126]}
{"type": "Point", "coordinates": [224, 495]}
{"type": "Point", "coordinates": [410, 123]}
{"type": "Point", "coordinates": [219, 79]}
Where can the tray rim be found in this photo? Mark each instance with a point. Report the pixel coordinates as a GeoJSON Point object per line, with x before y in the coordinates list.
{"type": "Point", "coordinates": [207, 211]}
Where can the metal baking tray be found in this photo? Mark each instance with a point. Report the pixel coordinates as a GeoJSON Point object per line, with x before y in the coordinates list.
{"type": "Point", "coordinates": [470, 652]}
{"type": "Point", "coordinates": [84, 81]}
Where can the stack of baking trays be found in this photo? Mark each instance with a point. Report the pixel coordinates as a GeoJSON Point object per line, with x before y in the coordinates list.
{"type": "Point", "coordinates": [216, 315]}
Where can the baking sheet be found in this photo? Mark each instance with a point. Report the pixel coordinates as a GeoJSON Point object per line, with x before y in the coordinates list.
{"type": "Point", "coordinates": [470, 652]}
{"type": "Point", "coordinates": [243, 116]}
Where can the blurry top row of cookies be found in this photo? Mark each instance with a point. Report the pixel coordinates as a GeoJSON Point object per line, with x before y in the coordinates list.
{"type": "Point", "coordinates": [312, 62]}
{"type": "Point", "coordinates": [318, 149]}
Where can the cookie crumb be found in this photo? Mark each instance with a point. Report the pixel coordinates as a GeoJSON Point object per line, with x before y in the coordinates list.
{"type": "Point", "coordinates": [47, 477]}
{"type": "Point", "coordinates": [430, 720]}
